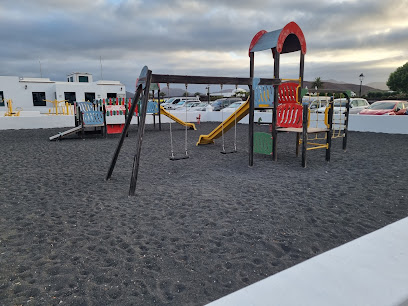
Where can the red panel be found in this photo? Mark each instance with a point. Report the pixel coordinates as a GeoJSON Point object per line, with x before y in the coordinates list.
{"type": "Point", "coordinates": [114, 128]}
{"type": "Point", "coordinates": [288, 92]}
{"type": "Point", "coordinates": [289, 115]}
{"type": "Point", "coordinates": [256, 38]}
{"type": "Point", "coordinates": [291, 28]}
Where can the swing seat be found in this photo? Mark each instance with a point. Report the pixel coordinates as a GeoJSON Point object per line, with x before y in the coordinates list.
{"type": "Point", "coordinates": [228, 152]}
{"type": "Point", "coordinates": [179, 157]}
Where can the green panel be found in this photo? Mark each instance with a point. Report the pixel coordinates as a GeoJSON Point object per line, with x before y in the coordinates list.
{"type": "Point", "coordinates": [263, 143]}
{"type": "Point", "coordinates": [303, 91]}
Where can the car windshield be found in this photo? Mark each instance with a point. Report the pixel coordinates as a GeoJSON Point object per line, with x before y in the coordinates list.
{"type": "Point", "coordinates": [181, 103]}
{"type": "Point", "coordinates": [217, 102]}
{"type": "Point", "coordinates": [382, 105]}
{"type": "Point", "coordinates": [170, 100]}
{"type": "Point", "coordinates": [235, 105]}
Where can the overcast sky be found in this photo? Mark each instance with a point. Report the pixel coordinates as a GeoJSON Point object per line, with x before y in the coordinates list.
{"type": "Point", "coordinates": [206, 37]}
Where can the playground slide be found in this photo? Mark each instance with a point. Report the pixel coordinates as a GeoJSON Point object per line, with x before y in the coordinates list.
{"type": "Point", "coordinates": [228, 123]}
{"type": "Point", "coordinates": [174, 118]}
{"type": "Point", "coordinates": [69, 132]}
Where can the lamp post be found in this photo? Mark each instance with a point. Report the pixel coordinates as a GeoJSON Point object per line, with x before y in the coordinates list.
{"type": "Point", "coordinates": [361, 77]}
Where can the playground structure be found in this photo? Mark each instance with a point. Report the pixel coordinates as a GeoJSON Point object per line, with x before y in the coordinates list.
{"type": "Point", "coordinates": [64, 109]}
{"type": "Point", "coordinates": [283, 98]}
{"type": "Point", "coordinates": [10, 112]}
{"type": "Point", "coordinates": [91, 117]}
{"type": "Point", "coordinates": [88, 116]}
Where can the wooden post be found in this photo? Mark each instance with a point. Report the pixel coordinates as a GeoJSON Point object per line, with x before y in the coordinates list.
{"type": "Point", "coordinates": [140, 133]}
{"type": "Point", "coordinates": [124, 132]}
{"type": "Point", "coordinates": [346, 123]}
{"type": "Point", "coordinates": [301, 73]}
{"type": "Point", "coordinates": [276, 57]}
{"type": "Point", "coordinates": [158, 104]}
{"type": "Point", "coordinates": [329, 132]}
{"type": "Point", "coordinates": [251, 112]}
{"type": "Point", "coordinates": [304, 133]}
{"type": "Point", "coordinates": [153, 114]}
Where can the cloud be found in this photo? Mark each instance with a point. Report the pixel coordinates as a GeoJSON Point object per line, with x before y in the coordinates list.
{"type": "Point", "coordinates": [198, 37]}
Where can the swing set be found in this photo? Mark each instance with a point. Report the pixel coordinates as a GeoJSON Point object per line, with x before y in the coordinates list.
{"type": "Point", "coordinates": [288, 114]}
{"type": "Point", "coordinates": [142, 93]}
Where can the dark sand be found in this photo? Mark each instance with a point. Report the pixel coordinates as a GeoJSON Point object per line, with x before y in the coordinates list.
{"type": "Point", "coordinates": [197, 230]}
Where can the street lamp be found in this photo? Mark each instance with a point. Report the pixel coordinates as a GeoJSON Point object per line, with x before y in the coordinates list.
{"type": "Point", "coordinates": [208, 93]}
{"type": "Point", "coordinates": [361, 77]}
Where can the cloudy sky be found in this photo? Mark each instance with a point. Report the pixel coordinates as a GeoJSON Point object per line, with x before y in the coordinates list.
{"type": "Point", "coordinates": [207, 37]}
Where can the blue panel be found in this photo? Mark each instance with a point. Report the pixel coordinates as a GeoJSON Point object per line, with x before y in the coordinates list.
{"type": "Point", "coordinates": [152, 107]}
{"type": "Point", "coordinates": [267, 41]}
{"type": "Point", "coordinates": [89, 115]}
{"type": "Point", "coordinates": [263, 94]}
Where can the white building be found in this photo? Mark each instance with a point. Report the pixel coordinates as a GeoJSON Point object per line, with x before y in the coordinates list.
{"type": "Point", "coordinates": [29, 93]}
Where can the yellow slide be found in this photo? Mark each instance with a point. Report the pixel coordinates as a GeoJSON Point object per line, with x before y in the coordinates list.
{"type": "Point", "coordinates": [228, 123]}
{"type": "Point", "coordinates": [174, 118]}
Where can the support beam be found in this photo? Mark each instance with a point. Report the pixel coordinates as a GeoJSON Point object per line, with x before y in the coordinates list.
{"type": "Point", "coordinates": [206, 80]}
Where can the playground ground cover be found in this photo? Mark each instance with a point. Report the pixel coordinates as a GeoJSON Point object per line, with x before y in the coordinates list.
{"type": "Point", "coordinates": [197, 230]}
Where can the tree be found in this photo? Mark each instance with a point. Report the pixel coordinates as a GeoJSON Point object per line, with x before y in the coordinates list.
{"type": "Point", "coordinates": [317, 83]}
{"type": "Point", "coordinates": [398, 80]}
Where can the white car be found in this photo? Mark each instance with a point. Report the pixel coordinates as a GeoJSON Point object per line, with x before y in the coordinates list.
{"type": "Point", "coordinates": [339, 106]}
{"type": "Point", "coordinates": [171, 102]}
{"type": "Point", "coordinates": [232, 107]}
{"type": "Point", "coordinates": [201, 107]}
{"type": "Point", "coordinates": [186, 104]}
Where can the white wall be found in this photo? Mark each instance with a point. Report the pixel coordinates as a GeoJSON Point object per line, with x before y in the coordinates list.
{"type": "Point", "coordinates": [359, 123]}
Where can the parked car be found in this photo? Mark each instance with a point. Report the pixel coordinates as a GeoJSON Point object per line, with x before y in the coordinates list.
{"type": "Point", "coordinates": [387, 107]}
{"type": "Point", "coordinates": [232, 107]}
{"type": "Point", "coordinates": [339, 106]}
{"type": "Point", "coordinates": [186, 104]}
{"type": "Point", "coordinates": [316, 102]}
{"type": "Point", "coordinates": [199, 107]}
{"type": "Point", "coordinates": [224, 102]}
{"type": "Point", "coordinates": [171, 102]}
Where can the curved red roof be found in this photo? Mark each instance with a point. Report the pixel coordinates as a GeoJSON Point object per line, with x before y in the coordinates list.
{"type": "Point", "coordinates": [288, 39]}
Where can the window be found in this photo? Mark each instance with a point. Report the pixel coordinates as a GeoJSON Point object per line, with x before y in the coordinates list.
{"type": "Point", "coordinates": [71, 79]}
{"type": "Point", "coordinates": [70, 97]}
{"type": "Point", "coordinates": [39, 99]}
{"type": "Point", "coordinates": [111, 95]}
{"type": "Point", "coordinates": [1, 99]}
{"type": "Point", "coordinates": [89, 96]}
{"type": "Point", "coordinates": [83, 78]}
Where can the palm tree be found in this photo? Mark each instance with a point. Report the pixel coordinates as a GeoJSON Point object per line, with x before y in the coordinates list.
{"type": "Point", "coordinates": [317, 83]}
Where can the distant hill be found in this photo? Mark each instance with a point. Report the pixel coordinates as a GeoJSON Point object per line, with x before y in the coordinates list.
{"type": "Point", "coordinates": [343, 86]}
{"type": "Point", "coordinates": [379, 85]}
